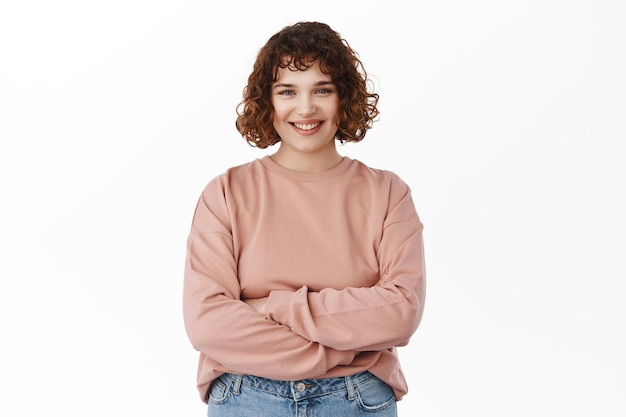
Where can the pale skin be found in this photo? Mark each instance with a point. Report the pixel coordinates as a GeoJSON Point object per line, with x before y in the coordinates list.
{"type": "Point", "coordinates": [306, 105]}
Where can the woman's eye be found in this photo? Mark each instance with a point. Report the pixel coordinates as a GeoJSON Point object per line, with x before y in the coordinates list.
{"type": "Point", "coordinates": [319, 91]}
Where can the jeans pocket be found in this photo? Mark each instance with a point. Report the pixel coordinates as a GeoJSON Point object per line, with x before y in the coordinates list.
{"type": "Point", "coordinates": [374, 394]}
{"type": "Point", "coordinates": [220, 390]}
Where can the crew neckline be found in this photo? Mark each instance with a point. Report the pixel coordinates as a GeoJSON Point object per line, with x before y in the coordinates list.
{"type": "Point", "coordinates": [273, 166]}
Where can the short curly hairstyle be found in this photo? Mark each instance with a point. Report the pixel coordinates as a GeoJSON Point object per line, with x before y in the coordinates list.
{"type": "Point", "coordinates": [300, 46]}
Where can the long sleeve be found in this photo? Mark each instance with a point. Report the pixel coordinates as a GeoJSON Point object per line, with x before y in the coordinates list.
{"type": "Point", "coordinates": [224, 328]}
{"type": "Point", "coordinates": [377, 317]}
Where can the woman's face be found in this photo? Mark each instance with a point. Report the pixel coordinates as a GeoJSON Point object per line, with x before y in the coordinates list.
{"type": "Point", "coordinates": [306, 105]}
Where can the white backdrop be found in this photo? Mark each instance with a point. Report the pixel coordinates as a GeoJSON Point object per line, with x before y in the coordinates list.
{"type": "Point", "coordinates": [504, 117]}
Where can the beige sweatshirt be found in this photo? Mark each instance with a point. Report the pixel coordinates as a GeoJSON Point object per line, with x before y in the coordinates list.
{"type": "Point", "coordinates": [339, 254]}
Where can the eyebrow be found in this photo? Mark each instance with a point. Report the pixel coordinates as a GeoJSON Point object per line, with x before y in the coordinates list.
{"type": "Point", "coordinates": [287, 85]}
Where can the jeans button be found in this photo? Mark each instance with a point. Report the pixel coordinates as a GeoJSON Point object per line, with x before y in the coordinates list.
{"type": "Point", "coordinates": [300, 387]}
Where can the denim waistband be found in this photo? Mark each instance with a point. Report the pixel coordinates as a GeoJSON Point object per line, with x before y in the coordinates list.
{"type": "Point", "coordinates": [302, 388]}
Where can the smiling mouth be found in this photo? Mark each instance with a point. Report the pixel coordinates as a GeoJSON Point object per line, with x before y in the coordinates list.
{"type": "Point", "coordinates": [306, 126]}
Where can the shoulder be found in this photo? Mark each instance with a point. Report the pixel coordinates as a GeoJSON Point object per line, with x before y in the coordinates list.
{"type": "Point", "coordinates": [233, 176]}
{"type": "Point", "coordinates": [378, 175]}
{"type": "Point", "coordinates": [386, 185]}
{"type": "Point", "coordinates": [241, 171]}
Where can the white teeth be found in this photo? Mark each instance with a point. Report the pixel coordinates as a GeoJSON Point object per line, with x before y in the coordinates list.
{"type": "Point", "coordinates": [308, 126]}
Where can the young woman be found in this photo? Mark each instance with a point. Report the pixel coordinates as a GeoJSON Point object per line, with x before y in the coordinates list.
{"type": "Point", "coordinates": [304, 268]}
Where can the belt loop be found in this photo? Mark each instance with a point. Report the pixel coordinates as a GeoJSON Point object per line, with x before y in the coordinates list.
{"type": "Point", "coordinates": [237, 384]}
{"type": "Point", "coordinates": [350, 386]}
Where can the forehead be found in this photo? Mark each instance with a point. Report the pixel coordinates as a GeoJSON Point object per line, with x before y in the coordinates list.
{"type": "Point", "coordinates": [292, 75]}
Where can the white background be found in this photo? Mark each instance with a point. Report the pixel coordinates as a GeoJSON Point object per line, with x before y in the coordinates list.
{"type": "Point", "coordinates": [505, 118]}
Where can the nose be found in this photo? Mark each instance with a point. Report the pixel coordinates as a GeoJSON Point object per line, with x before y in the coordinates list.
{"type": "Point", "coordinates": [306, 105]}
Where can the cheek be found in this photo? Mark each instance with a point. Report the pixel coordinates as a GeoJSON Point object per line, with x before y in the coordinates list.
{"type": "Point", "coordinates": [280, 112]}
{"type": "Point", "coordinates": [333, 107]}
{"type": "Point", "coordinates": [335, 112]}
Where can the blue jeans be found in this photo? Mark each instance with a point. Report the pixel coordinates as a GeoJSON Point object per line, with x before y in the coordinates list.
{"type": "Point", "coordinates": [361, 394]}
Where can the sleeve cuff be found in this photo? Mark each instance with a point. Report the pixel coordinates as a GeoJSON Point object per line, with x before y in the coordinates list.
{"type": "Point", "coordinates": [281, 304]}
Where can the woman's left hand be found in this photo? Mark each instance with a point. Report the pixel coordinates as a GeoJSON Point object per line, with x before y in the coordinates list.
{"type": "Point", "coordinates": [257, 303]}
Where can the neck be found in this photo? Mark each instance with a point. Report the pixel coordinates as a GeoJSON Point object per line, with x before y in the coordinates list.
{"type": "Point", "coordinates": [310, 162]}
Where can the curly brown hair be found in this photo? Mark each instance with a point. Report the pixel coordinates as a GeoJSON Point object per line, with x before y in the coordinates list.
{"type": "Point", "coordinates": [300, 46]}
